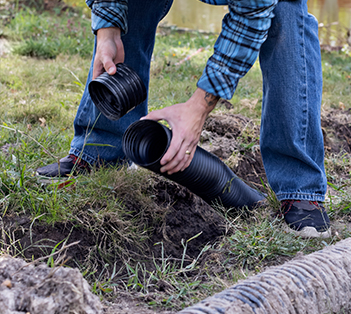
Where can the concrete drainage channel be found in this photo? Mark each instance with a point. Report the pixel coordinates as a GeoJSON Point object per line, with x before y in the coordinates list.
{"type": "Point", "coordinates": [319, 283]}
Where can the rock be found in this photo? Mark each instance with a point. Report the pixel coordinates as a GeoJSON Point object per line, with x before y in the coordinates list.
{"type": "Point", "coordinates": [39, 289]}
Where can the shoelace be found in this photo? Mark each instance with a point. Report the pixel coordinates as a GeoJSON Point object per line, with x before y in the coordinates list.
{"type": "Point", "coordinates": [287, 204]}
{"type": "Point", "coordinates": [81, 164]}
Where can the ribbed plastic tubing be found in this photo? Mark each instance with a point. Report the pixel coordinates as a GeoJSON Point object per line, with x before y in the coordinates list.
{"type": "Point", "coordinates": [318, 283]}
{"type": "Point", "coordinates": [115, 95]}
{"type": "Point", "coordinates": [146, 141]}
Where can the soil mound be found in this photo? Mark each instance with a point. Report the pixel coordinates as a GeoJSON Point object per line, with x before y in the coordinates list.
{"type": "Point", "coordinates": [187, 217]}
{"type": "Point", "coordinates": [336, 126]}
{"type": "Point", "coordinates": [234, 138]}
{"type": "Point", "coordinates": [26, 288]}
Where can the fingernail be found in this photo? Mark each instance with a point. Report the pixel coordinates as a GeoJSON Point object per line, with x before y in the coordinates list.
{"type": "Point", "coordinates": [110, 70]}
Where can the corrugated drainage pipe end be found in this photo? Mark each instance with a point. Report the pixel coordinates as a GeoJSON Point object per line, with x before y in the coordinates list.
{"type": "Point", "coordinates": [115, 95]}
{"type": "Point", "coordinates": [146, 141]}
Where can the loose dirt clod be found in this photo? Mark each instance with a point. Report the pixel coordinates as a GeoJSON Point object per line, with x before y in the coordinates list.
{"type": "Point", "coordinates": [39, 289]}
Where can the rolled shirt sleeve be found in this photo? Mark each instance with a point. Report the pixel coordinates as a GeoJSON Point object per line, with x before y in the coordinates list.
{"type": "Point", "coordinates": [108, 13]}
{"type": "Point", "coordinates": [244, 29]}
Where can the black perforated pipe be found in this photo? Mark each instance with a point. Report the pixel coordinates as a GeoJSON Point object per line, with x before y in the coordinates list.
{"type": "Point", "coordinates": [146, 141]}
{"type": "Point", "coordinates": [115, 95]}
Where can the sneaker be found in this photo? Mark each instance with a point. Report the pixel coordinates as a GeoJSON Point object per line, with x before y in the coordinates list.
{"type": "Point", "coordinates": [306, 218]}
{"type": "Point", "coordinates": [66, 167]}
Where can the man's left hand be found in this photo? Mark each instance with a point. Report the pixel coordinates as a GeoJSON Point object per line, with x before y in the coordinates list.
{"type": "Point", "coordinates": [186, 121]}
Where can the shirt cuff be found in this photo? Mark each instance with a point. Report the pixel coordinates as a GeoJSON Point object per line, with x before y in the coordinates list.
{"type": "Point", "coordinates": [217, 83]}
{"type": "Point", "coordinates": [103, 17]}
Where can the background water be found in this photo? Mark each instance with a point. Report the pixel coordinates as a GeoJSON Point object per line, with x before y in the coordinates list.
{"type": "Point", "coordinates": [334, 17]}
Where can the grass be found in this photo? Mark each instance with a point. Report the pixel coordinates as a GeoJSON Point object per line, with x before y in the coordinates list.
{"type": "Point", "coordinates": [50, 34]}
{"type": "Point", "coordinates": [41, 82]}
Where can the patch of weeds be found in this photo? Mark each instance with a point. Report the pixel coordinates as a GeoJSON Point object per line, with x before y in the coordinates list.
{"type": "Point", "coordinates": [336, 80]}
{"type": "Point", "coordinates": [339, 201]}
{"type": "Point", "coordinates": [35, 48]}
{"type": "Point", "coordinates": [256, 245]}
{"type": "Point", "coordinates": [48, 35]}
{"type": "Point", "coordinates": [251, 245]}
{"type": "Point", "coordinates": [168, 283]}
{"type": "Point", "coordinates": [104, 284]}
{"type": "Point", "coordinates": [338, 167]}
{"type": "Point", "coordinates": [48, 98]}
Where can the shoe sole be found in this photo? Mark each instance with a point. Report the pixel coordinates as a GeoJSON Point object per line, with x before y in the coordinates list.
{"type": "Point", "coordinates": [51, 180]}
{"type": "Point", "coordinates": [309, 232]}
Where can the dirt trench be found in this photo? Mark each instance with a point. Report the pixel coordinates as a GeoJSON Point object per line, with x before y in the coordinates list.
{"type": "Point", "coordinates": [233, 138]}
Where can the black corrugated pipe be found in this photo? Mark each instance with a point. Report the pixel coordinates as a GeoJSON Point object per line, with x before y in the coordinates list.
{"type": "Point", "coordinates": [115, 95]}
{"type": "Point", "coordinates": [146, 141]}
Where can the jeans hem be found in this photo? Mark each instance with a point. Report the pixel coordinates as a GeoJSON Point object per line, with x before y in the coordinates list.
{"type": "Point", "coordinates": [301, 197]}
{"type": "Point", "coordinates": [98, 162]}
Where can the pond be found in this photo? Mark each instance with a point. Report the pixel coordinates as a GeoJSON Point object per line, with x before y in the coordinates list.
{"type": "Point", "coordinates": [334, 17]}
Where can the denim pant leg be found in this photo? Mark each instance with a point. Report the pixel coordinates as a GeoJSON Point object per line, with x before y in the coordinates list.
{"type": "Point", "coordinates": [291, 136]}
{"type": "Point", "coordinates": [97, 138]}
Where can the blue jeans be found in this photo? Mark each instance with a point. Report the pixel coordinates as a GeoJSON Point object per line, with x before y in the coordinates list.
{"type": "Point", "coordinates": [291, 137]}
{"type": "Point", "coordinates": [97, 139]}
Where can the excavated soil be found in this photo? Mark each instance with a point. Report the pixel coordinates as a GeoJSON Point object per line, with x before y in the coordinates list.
{"type": "Point", "coordinates": [26, 288]}
{"type": "Point", "coordinates": [234, 139]}
{"type": "Point", "coordinates": [336, 126]}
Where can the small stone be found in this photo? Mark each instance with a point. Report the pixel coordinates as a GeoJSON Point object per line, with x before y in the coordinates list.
{"type": "Point", "coordinates": [7, 283]}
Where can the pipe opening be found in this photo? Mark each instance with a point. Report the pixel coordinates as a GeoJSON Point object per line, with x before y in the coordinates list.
{"type": "Point", "coordinates": [145, 142]}
{"type": "Point", "coordinates": [115, 95]}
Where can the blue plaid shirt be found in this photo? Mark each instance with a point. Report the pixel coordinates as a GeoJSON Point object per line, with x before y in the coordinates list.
{"type": "Point", "coordinates": [244, 29]}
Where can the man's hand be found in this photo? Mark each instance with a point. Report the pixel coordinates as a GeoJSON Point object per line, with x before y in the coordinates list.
{"type": "Point", "coordinates": [186, 120]}
{"type": "Point", "coordinates": [109, 51]}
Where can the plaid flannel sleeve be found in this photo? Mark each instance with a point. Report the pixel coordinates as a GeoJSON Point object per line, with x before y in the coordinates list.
{"type": "Point", "coordinates": [244, 29]}
{"type": "Point", "coordinates": [108, 13]}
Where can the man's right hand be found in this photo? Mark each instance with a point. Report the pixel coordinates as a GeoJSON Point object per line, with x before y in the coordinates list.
{"type": "Point", "coordinates": [109, 51]}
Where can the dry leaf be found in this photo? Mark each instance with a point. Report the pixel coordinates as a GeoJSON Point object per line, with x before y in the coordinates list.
{"type": "Point", "coordinates": [43, 122]}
